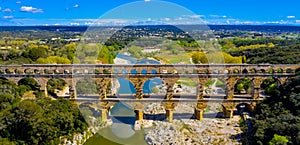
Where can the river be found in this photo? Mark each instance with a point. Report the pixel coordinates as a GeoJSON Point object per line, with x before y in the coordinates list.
{"type": "Point", "coordinates": [122, 115]}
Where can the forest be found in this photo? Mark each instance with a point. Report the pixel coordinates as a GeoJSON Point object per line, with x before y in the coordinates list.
{"type": "Point", "coordinates": [277, 119]}
{"type": "Point", "coordinates": [28, 117]}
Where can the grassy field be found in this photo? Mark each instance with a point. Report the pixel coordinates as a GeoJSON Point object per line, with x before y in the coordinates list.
{"type": "Point", "coordinates": [170, 58]}
{"type": "Point", "coordinates": [186, 82]}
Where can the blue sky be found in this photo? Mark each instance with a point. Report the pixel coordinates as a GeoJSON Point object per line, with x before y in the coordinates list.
{"type": "Point", "coordinates": [85, 12]}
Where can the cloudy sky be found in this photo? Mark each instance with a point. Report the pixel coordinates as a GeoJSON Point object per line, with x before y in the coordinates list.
{"type": "Point", "coordinates": [121, 12]}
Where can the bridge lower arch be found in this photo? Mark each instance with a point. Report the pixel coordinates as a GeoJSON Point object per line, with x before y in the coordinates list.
{"type": "Point", "coordinates": [269, 84]}
{"type": "Point", "coordinates": [215, 86]}
{"type": "Point", "coordinates": [154, 88]}
{"type": "Point", "coordinates": [186, 86]}
{"type": "Point", "coordinates": [244, 86]}
{"type": "Point", "coordinates": [57, 87]}
{"type": "Point", "coordinates": [245, 107]}
{"type": "Point", "coordinates": [86, 86]}
{"type": "Point", "coordinates": [31, 82]}
{"type": "Point", "coordinates": [126, 87]}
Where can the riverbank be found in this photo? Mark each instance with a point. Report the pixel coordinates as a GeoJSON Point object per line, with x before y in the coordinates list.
{"type": "Point", "coordinates": [190, 131]}
{"type": "Point", "coordinates": [185, 129]}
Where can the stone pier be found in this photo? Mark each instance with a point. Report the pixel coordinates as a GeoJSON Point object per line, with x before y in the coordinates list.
{"type": "Point", "coordinates": [139, 115]}
{"type": "Point", "coordinates": [199, 110]}
{"type": "Point", "coordinates": [103, 114]}
{"type": "Point", "coordinates": [199, 114]}
{"type": "Point", "coordinates": [169, 115]}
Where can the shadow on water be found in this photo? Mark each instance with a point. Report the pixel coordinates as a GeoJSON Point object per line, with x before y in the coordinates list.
{"type": "Point", "coordinates": [121, 131]}
{"type": "Point", "coordinates": [107, 137]}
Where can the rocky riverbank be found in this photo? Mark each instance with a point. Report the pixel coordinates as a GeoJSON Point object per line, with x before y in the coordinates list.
{"type": "Point", "coordinates": [186, 130]}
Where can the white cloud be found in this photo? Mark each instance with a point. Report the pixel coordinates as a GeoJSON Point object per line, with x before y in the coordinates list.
{"type": "Point", "coordinates": [197, 16]}
{"type": "Point", "coordinates": [165, 19]}
{"type": "Point", "coordinates": [297, 21]}
{"type": "Point", "coordinates": [76, 6]}
{"type": "Point", "coordinates": [18, 2]}
{"type": "Point", "coordinates": [7, 17]}
{"type": "Point", "coordinates": [147, 0]}
{"type": "Point", "coordinates": [74, 24]}
{"type": "Point", "coordinates": [290, 17]}
{"type": "Point", "coordinates": [179, 19]}
{"type": "Point", "coordinates": [217, 16]}
{"type": "Point", "coordinates": [8, 10]}
{"type": "Point", "coordinates": [31, 9]}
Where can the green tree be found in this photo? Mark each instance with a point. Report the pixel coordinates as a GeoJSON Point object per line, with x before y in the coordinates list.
{"type": "Point", "coordinates": [199, 57]}
{"type": "Point", "coordinates": [7, 100]}
{"type": "Point", "coordinates": [106, 56]}
{"type": "Point", "coordinates": [278, 140]}
{"type": "Point", "coordinates": [6, 141]}
{"type": "Point", "coordinates": [34, 52]}
{"type": "Point", "coordinates": [278, 114]}
{"type": "Point", "coordinates": [68, 51]}
{"type": "Point", "coordinates": [53, 60]}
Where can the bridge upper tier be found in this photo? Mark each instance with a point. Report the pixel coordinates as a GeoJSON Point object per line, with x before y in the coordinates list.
{"type": "Point", "coordinates": [152, 69]}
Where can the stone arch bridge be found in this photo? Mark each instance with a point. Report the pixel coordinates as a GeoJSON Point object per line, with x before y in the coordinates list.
{"type": "Point", "coordinates": [169, 74]}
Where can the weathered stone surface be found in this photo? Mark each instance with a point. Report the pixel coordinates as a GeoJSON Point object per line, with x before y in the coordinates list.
{"type": "Point", "coordinates": [187, 131]}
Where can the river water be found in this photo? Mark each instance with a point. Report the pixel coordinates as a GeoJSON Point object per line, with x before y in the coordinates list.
{"type": "Point", "coordinates": [123, 116]}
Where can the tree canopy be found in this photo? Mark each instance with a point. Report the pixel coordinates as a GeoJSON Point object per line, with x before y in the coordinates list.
{"type": "Point", "coordinates": [36, 121]}
{"type": "Point", "coordinates": [277, 119]}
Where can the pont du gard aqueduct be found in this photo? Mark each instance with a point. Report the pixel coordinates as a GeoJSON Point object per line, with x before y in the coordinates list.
{"type": "Point", "coordinates": [103, 75]}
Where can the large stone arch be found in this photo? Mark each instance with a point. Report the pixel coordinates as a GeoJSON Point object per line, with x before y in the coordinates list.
{"type": "Point", "coordinates": [161, 90]}
{"type": "Point", "coordinates": [86, 86]}
{"type": "Point", "coordinates": [245, 106]}
{"type": "Point", "coordinates": [186, 86]}
{"type": "Point", "coordinates": [135, 86]}
{"type": "Point", "coordinates": [215, 86]}
{"type": "Point", "coordinates": [38, 82]}
{"type": "Point", "coordinates": [244, 85]}
{"type": "Point", "coordinates": [62, 92]}
{"type": "Point", "coordinates": [266, 82]}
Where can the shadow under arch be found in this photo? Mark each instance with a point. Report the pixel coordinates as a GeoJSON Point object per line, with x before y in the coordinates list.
{"type": "Point", "coordinates": [243, 107]}
{"type": "Point", "coordinates": [30, 82]}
